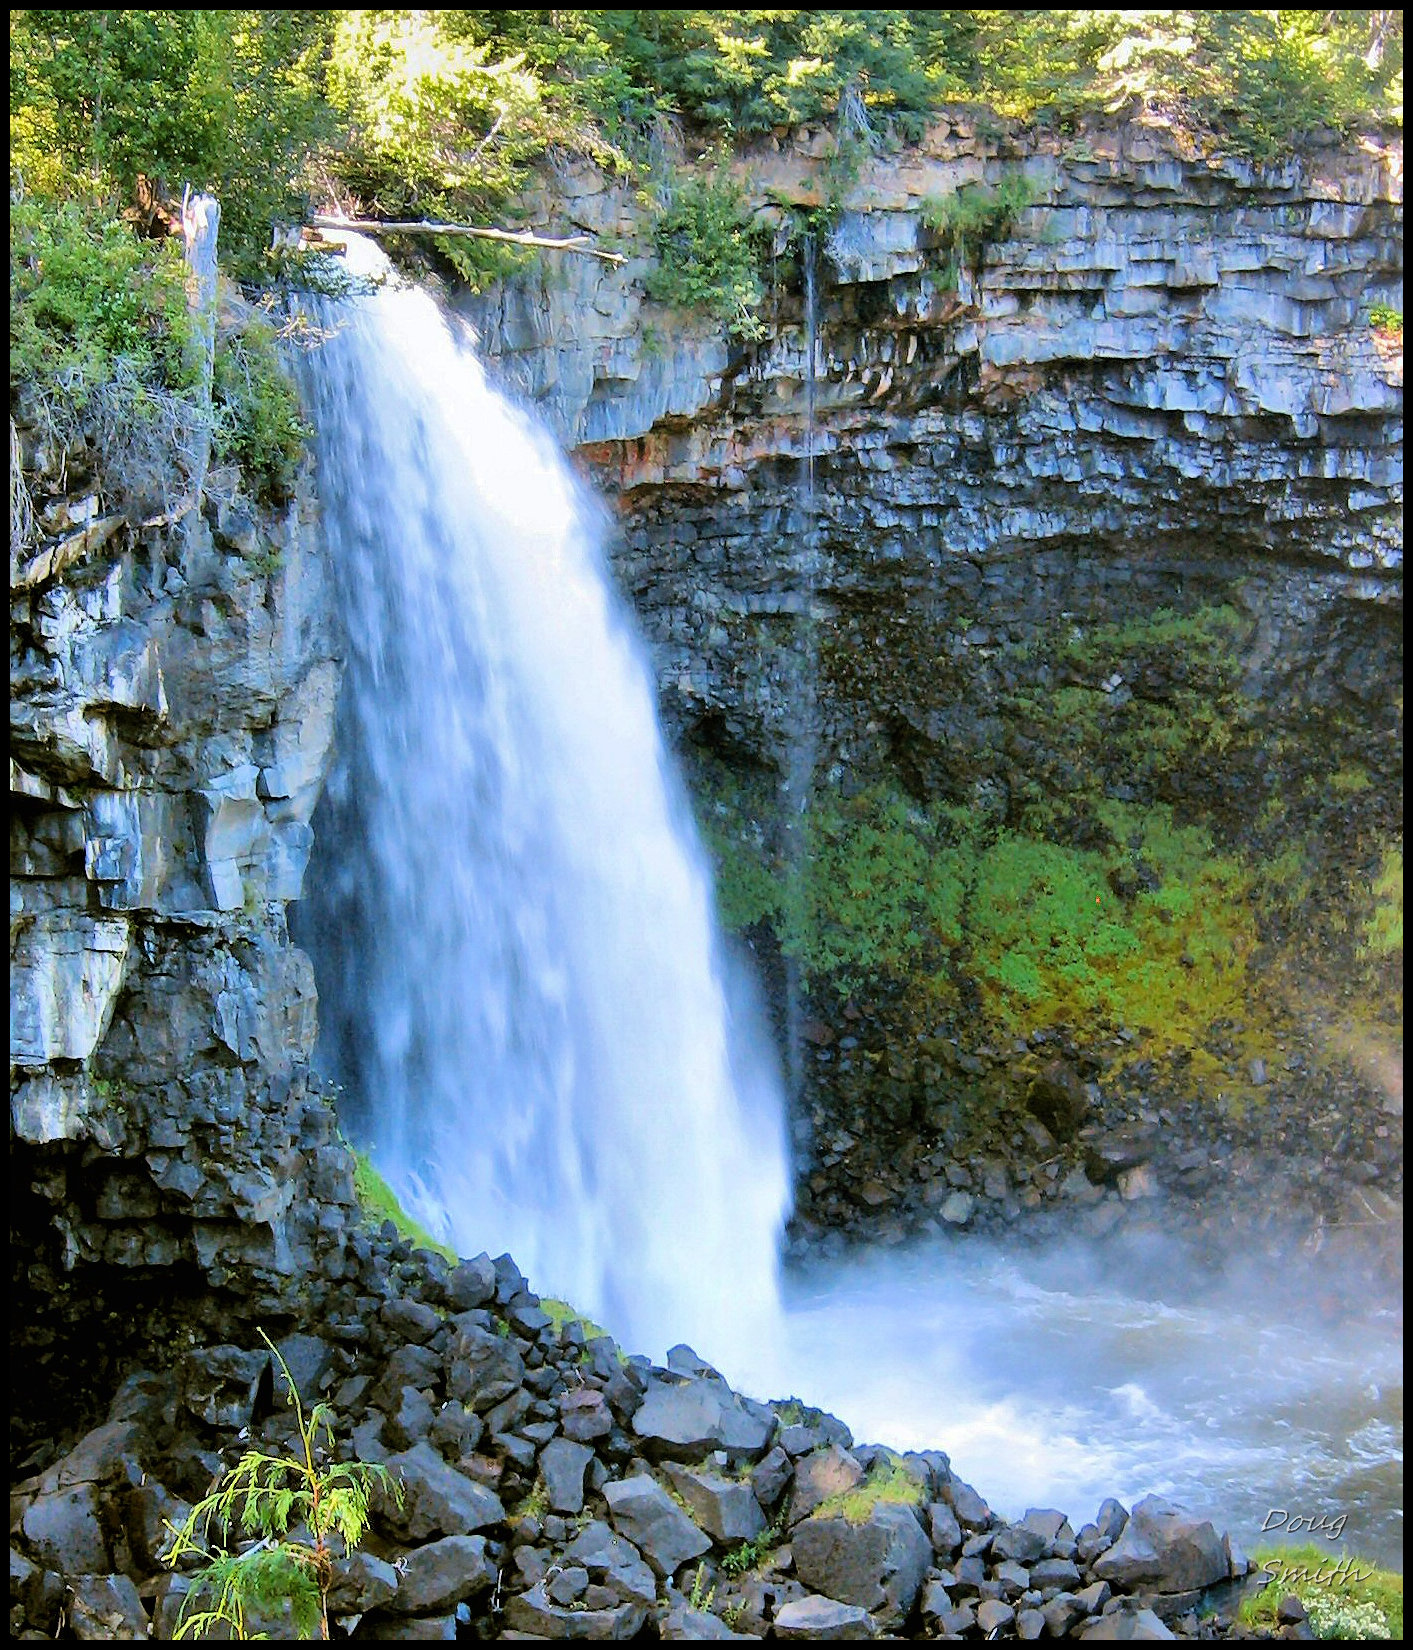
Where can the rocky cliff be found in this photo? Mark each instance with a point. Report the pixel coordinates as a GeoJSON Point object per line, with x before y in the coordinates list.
{"type": "Point", "coordinates": [172, 696]}
{"type": "Point", "coordinates": [1097, 509]}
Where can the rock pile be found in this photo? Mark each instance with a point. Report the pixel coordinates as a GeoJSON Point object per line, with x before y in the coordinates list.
{"type": "Point", "coordinates": [554, 1488]}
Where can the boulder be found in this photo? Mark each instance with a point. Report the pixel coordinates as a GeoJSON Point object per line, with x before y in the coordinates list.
{"type": "Point", "coordinates": [585, 1415]}
{"type": "Point", "coordinates": [1163, 1549]}
{"type": "Point", "coordinates": [65, 1532]}
{"type": "Point", "coordinates": [411, 1420]}
{"type": "Point", "coordinates": [944, 1529]}
{"type": "Point", "coordinates": [535, 1613]}
{"type": "Point", "coordinates": [646, 1515]}
{"type": "Point", "coordinates": [439, 1576]}
{"type": "Point", "coordinates": [1054, 1572]}
{"type": "Point", "coordinates": [689, 1419]}
{"type": "Point", "coordinates": [725, 1508]}
{"type": "Point", "coordinates": [993, 1616]}
{"type": "Point", "coordinates": [361, 1583]}
{"type": "Point", "coordinates": [1125, 1624]}
{"type": "Point", "coordinates": [484, 1368]}
{"type": "Point", "coordinates": [106, 1607]}
{"type": "Point", "coordinates": [878, 1564]}
{"type": "Point", "coordinates": [822, 1618]}
{"type": "Point", "coordinates": [970, 1509]}
{"type": "Point", "coordinates": [471, 1283]}
{"type": "Point", "coordinates": [564, 1463]}
{"type": "Point", "coordinates": [1058, 1096]}
{"type": "Point", "coordinates": [612, 1562]}
{"type": "Point", "coordinates": [771, 1475]}
{"type": "Point", "coordinates": [219, 1384]}
{"type": "Point", "coordinates": [415, 1366]}
{"type": "Point", "coordinates": [1061, 1613]}
{"type": "Point", "coordinates": [683, 1622]}
{"type": "Point", "coordinates": [308, 1358]}
{"type": "Point", "coordinates": [436, 1629]}
{"type": "Point", "coordinates": [438, 1500]}
{"type": "Point", "coordinates": [410, 1320]}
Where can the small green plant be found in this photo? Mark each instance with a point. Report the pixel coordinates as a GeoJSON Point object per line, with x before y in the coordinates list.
{"type": "Point", "coordinates": [1384, 318]}
{"type": "Point", "coordinates": [288, 1509]}
{"type": "Point", "coordinates": [967, 222]}
{"type": "Point", "coordinates": [745, 1557]}
{"type": "Point", "coordinates": [258, 418]}
{"type": "Point", "coordinates": [702, 1597]}
{"type": "Point", "coordinates": [888, 1481]}
{"type": "Point", "coordinates": [1383, 930]}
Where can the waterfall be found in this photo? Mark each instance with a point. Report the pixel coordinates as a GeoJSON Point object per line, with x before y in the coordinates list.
{"type": "Point", "coordinates": [521, 984]}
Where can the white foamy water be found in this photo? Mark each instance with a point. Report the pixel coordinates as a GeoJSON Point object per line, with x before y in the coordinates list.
{"type": "Point", "coordinates": [1057, 1379]}
{"type": "Point", "coordinates": [511, 920]}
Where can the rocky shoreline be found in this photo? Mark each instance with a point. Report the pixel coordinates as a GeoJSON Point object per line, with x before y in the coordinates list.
{"type": "Point", "coordinates": [556, 1488]}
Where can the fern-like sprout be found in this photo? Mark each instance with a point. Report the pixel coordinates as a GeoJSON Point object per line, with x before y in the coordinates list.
{"type": "Point", "coordinates": [264, 1497]}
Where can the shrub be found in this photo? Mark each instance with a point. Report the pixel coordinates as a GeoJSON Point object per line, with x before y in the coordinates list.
{"type": "Point", "coordinates": [708, 253]}
{"type": "Point", "coordinates": [258, 419]}
{"type": "Point", "coordinates": [967, 222]}
{"type": "Point", "coordinates": [86, 295]}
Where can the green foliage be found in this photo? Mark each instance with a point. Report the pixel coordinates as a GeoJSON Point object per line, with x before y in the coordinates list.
{"type": "Point", "coordinates": [258, 419]}
{"type": "Point", "coordinates": [228, 101]}
{"type": "Point", "coordinates": [439, 125]}
{"type": "Point", "coordinates": [751, 71]}
{"type": "Point", "coordinates": [708, 253]}
{"type": "Point", "coordinates": [701, 1597]}
{"type": "Point", "coordinates": [280, 1513]}
{"type": "Point", "coordinates": [967, 222]}
{"type": "Point", "coordinates": [1384, 318]}
{"type": "Point", "coordinates": [379, 1202]}
{"type": "Point", "coordinates": [86, 294]}
{"type": "Point", "coordinates": [561, 1313]}
{"type": "Point", "coordinates": [1346, 1597]}
{"type": "Point", "coordinates": [1250, 81]}
{"type": "Point", "coordinates": [101, 337]}
{"type": "Point", "coordinates": [749, 1554]}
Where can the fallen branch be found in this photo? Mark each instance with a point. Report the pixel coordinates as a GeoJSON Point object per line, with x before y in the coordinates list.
{"type": "Point", "coordinates": [517, 237]}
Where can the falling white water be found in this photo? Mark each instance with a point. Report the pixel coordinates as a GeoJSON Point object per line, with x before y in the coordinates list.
{"type": "Point", "coordinates": [521, 985]}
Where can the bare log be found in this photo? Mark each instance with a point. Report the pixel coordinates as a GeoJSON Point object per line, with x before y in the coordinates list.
{"type": "Point", "coordinates": [515, 237]}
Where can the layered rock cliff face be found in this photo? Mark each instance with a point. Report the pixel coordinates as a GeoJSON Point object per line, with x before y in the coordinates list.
{"type": "Point", "coordinates": [1163, 371]}
{"type": "Point", "coordinates": [1041, 475]}
{"type": "Point", "coordinates": [172, 693]}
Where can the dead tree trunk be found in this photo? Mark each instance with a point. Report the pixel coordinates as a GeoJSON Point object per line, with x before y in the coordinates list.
{"type": "Point", "coordinates": [201, 220]}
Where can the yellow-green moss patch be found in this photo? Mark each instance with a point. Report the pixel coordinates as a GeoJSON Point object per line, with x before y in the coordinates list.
{"type": "Point", "coordinates": [1346, 1596]}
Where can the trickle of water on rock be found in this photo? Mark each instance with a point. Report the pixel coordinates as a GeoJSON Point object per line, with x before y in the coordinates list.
{"type": "Point", "coordinates": [802, 688]}
{"type": "Point", "coordinates": [521, 985]}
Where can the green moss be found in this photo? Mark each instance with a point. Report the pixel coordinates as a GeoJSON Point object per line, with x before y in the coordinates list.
{"type": "Point", "coordinates": [379, 1203]}
{"type": "Point", "coordinates": [888, 1481]}
{"type": "Point", "coordinates": [1347, 1597]}
{"type": "Point", "coordinates": [561, 1312]}
{"type": "Point", "coordinates": [1383, 928]}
